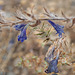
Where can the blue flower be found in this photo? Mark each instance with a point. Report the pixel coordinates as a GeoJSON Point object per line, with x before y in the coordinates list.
{"type": "Point", "coordinates": [52, 66]}
{"type": "Point", "coordinates": [52, 63]}
{"type": "Point", "coordinates": [22, 35]}
{"type": "Point", "coordinates": [57, 27]}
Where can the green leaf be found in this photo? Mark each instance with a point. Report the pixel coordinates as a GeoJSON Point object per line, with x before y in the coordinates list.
{"type": "Point", "coordinates": [40, 33]}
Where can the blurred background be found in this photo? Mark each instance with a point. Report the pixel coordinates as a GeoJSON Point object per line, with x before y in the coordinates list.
{"type": "Point", "coordinates": [32, 50]}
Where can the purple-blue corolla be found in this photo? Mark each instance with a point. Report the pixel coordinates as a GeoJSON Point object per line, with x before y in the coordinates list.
{"type": "Point", "coordinates": [58, 28]}
{"type": "Point", "coordinates": [22, 35]}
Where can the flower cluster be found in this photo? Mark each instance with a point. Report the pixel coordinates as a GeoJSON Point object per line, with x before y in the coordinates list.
{"type": "Point", "coordinates": [29, 19]}
{"type": "Point", "coordinates": [22, 35]}
{"type": "Point", "coordinates": [22, 28]}
{"type": "Point", "coordinates": [52, 62]}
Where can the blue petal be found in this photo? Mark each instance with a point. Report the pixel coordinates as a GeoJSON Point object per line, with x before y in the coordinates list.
{"type": "Point", "coordinates": [57, 27]}
{"type": "Point", "coordinates": [20, 27]}
{"type": "Point", "coordinates": [52, 66]}
{"type": "Point", "coordinates": [22, 35]}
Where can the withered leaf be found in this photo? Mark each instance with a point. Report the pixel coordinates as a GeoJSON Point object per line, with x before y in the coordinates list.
{"type": "Point", "coordinates": [47, 14]}
{"type": "Point", "coordinates": [40, 33]}
{"type": "Point", "coordinates": [19, 18]}
{"type": "Point", "coordinates": [48, 56]}
{"type": "Point", "coordinates": [37, 23]}
{"type": "Point", "coordinates": [46, 10]}
{"type": "Point", "coordinates": [27, 14]}
{"type": "Point", "coordinates": [30, 15]}
{"type": "Point", "coordinates": [47, 39]}
{"type": "Point", "coordinates": [73, 22]}
{"type": "Point", "coordinates": [63, 15]}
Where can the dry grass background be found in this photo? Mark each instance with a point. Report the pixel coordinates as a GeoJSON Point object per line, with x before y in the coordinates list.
{"type": "Point", "coordinates": [11, 49]}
